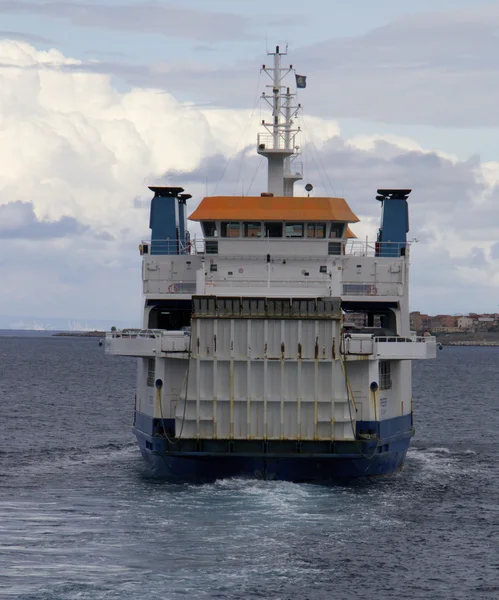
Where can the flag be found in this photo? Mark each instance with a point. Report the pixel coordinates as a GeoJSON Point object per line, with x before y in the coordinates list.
{"type": "Point", "coordinates": [301, 81]}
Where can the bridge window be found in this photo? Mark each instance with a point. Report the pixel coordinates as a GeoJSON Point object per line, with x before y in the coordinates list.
{"type": "Point", "coordinates": [273, 229]}
{"type": "Point", "coordinates": [252, 229]}
{"type": "Point", "coordinates": [316, 230]}
{"type": "Point", "coordinates": [294, 230]}
{"type": "Point", "coordinates": [210, 229]}
{"type": "Point", "coordinates": [337, 230]}
{"type": "Point", "coordinates": [385, 382]}
{"type": "Point", "coordinates": [231, 229]}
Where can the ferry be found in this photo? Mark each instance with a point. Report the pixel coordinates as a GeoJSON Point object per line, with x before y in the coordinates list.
{"type": "Point", "coordinates": [278, 346]}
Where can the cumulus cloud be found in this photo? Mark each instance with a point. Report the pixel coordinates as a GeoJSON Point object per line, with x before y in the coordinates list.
{"type": "Point", "coordinates": [18, 220]}
{"type": "Point", "coordinates": [438, 69]}
{"type": "Point", "coordinates": [76, 147]}
{"type": "Point", "coordinates": [78, 154]}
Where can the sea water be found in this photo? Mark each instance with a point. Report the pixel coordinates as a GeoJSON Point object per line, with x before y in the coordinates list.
{"type": "Point", "coordinates": [81, 517]}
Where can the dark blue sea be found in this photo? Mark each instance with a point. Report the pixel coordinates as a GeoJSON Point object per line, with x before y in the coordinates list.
{"type": "Point", "coordinates": [81, 518]}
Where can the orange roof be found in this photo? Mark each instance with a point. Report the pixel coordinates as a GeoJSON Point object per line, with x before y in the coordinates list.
{"type": "Point", "coordinates": [350, 234]}
{"type": "Point", "coordinates": [272, 208]}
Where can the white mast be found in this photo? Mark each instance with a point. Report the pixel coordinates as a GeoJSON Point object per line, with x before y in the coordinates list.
{"type": "Point", "coordinates": [278, 144]}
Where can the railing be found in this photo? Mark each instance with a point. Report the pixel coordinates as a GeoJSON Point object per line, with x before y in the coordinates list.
{"type": "Point", "coordinates": [400, 347]}
{"type": "Point", "coordinates": [293, 166]}
{"type": "Point", "coordinates": [267, 141]}
{"type": "Point", "coordinates": [172, 247]}
{"type": "Point", "coordinates": [148, 342]}
{"type": "Point", "coordinates": [383, 249]}
{"type": "Point", "coordinates": [167, 286]}
{"type": "Point", "coordinates": [389, 347]}
{"type": "Point", "coordinates": [330, 246]}
{"type": "Point", "coordinates": [428, 339]}
{"type": "Point", "coordinates": [266, 283]}
{"type": "Point", "coordinates": [380, 288]}
{"type": "Point", "coordinates": [131, 334]}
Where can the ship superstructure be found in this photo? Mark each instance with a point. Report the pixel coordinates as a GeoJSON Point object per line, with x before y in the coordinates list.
{"type": "Point", "coordinates": [278, 346]}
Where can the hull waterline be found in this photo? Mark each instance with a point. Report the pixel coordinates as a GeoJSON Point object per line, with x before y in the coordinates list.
{"type": "Point", "coordinates": [377, 460]}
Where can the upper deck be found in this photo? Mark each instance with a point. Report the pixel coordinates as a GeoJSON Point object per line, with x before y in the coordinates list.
{"type": "Point", "coordinates": [284, 267]}
{"type": "Point", "coordinates": [270, 246]}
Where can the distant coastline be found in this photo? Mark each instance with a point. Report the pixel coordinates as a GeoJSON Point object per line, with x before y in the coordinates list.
{"type": "Point", "coordinates": [482, 338]}
{"type": "Point", "coordinates": [98, 334]}
{"type": "Point", "coordinates": [471, 343]}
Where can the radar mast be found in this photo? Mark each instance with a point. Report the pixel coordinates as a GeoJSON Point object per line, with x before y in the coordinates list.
{"type": "Point", "coordinates": [278, 144]}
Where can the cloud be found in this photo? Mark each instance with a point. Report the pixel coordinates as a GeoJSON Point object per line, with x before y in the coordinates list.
{"type": "Point", "coordinates": [169, 20]}
{"type": "Point", "coordinates": [494, 251]}
{"type": "Point", "coordinates": [203, 48]}
{"type": "Point", "coordinates": [432, 68]}
{"type": "Point", "coordinates": [77, 157]}
{"type": "Point", "coordinates": [18, 220]}
{"type": "Point", "coordinates": [25, 37]}
{"type": "Point", "coordinates": [437, 69]}
{"type": "Point", "coordinates": [477, 259]}
{"type": "Point", "coordinates": [63, 278]}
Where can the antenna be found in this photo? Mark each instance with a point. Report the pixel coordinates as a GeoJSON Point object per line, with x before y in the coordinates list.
{"type": "Point", "coordinates": [278, 144]}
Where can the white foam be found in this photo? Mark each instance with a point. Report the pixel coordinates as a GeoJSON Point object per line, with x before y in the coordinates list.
{"type": "Point", "coordinates": [439, 450]}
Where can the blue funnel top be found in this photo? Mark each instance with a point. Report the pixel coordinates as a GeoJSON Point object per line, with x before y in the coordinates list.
{"type": "Point", "coordinates": [392, 236]}
{"type": "Point", "coordinates": [168, 220]}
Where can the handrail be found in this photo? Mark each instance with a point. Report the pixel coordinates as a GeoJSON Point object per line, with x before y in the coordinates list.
{"type": "Point", "coordinates": [259, 282]}
{"type": "Point", "coordinates": [144, 334]}
{"type": "Point", "coordinates": [346, 247]}
{"type": "Point", "coordinates": [399, 339]}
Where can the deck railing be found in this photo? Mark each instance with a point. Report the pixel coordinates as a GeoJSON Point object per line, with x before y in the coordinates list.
{"type": "Point", "coordinates": [271, 282]}
{"type": "Point", "coordinates": [172, 247]}
{"type": "Point", "coordinates": [169, 286]}
{"type": "Point", "coordinates": [131, 334]}
{"type": "Point", "coordinates": [380, 288]}
{"type": "Point", "coordinates": [267, 141]}
{"type": "Point", "coordinates": [330, 246]}
{"type": "Point", "coordinates": [427, 339]}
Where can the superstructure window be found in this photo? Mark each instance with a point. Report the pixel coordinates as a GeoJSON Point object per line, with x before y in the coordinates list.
{"type": "Point", "coordinates": [211, 247]}
{"type": "Point", "coordinates": [337, 230]}
{"type": "Point", "coordinates": [231, 229]}
{"type": "Point", "coordinates": [273, 229]}
{"type": "Point", "coordinates": [316, 230]}
{"type": "Point", "coordinates": [210, 229]}
{"type": "Point", "coordinates": [151, 369]}
{"type": "Point", "coordinates": [252, 229]}
{"type": "Point", "coordinates": [334, 248]}
{"type": "Point", "coordinates": [294, 230]}
{"type": "Point", "coordinates": [385, 381]}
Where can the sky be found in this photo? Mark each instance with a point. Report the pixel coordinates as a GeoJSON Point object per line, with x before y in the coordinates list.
{"type": "Point", "coordinates": [98, 100]}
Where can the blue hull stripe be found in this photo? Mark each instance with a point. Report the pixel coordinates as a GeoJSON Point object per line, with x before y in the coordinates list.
{"type": "Point", "coordinates": [298, 468]}
{"type": "Point", "coordinates": [371, 457]}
